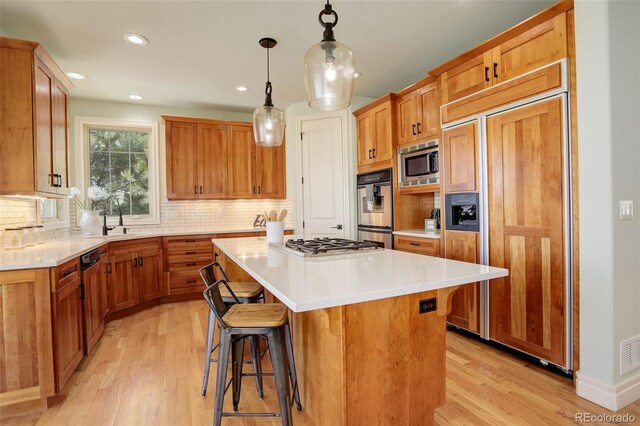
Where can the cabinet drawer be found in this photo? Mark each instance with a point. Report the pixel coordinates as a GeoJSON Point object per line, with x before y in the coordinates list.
{"type": "Point", "coordinates": [189, 279]}
{"type": "Point", "coordinates": [192, 248]}
{"type": "Point", "coordinates": [426, 246]}
{"type": "Point", "coordinates": [190, 262]}
{"type": "Point", "coordinates": [127, 247]}
{"type": "Point", "coordinates": [65, 274]}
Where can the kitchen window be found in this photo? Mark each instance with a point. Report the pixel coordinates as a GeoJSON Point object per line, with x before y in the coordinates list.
{"type": "Point", "coordinates": [121, 157]}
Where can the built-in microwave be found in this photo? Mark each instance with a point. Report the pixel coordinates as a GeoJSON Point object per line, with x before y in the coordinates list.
{"type": "Point", "coordinates": [418, 164]}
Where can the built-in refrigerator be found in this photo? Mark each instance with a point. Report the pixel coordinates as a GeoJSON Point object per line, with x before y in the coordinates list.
{"type": "Point", "coordinates": [514, 211]}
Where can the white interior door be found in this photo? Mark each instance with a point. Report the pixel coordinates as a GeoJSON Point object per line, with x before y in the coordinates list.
{"type": "Point", "coordinates": [323, 177]}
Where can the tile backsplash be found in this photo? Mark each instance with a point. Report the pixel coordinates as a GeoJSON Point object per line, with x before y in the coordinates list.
{"type": "Point", "coordinates": [221, 214]}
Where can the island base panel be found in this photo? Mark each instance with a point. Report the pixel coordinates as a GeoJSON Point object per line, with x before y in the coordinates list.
{"type": "Point", "coordinates": [378, 362]}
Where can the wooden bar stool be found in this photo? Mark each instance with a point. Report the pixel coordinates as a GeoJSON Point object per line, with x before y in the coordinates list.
{"type": "Point", "coordinates": [234, 292]}
{"type": "Point", "coordinates": [239, 321]}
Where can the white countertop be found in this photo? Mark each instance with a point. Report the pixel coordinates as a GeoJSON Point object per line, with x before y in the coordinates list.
{"type": "Point", "coordinates": [308, 283]}
{"type": "Point", "coordinates": [420, 233]}
{"type": "Point", "coordinates": [57, 251]}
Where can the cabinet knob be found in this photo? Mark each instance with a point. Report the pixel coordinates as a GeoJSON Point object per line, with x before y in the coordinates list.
{"type": "Point", "coordinates": [495, 70]}
{"type": "Point", "coordinates": [419, 132]}
{"type": "Point", "coordinates": [374, 152]}
{"type": "Point", "coordinates": [370, 155]}
{"type": "Point", "coordinates": [486, 73]}
{"type": "Point", "coordinates": [195, 189]}
{"type": "Point", "coordinates": [414, 129]}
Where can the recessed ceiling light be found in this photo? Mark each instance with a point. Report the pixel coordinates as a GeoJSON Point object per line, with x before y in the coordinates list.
{"type": "Point", "coordinates": [75, 76]}
{"type": "Point", "coordinates": [242, 88]}
{"type": "Point", "coordinates": [136, 97]}
{"type": "Point", "coordinates": [135, 39]}
{"type": "Point", "coordinates": [356, 74]}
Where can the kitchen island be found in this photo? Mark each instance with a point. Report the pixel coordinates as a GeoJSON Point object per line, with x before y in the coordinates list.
{"type": "Point", "coordinates": [368, 327]}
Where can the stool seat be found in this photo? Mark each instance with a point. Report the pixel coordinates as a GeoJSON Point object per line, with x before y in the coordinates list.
{"type": "Point", "coordinates": [241, 289]}
{"type": "Point", "coordinates": [255, 315]}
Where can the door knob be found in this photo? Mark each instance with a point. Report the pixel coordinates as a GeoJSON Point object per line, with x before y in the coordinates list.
{"type": "Point", "coordinates": [337, 227]}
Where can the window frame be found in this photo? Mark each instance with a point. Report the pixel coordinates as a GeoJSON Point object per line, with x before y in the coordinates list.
{"type": "Point", "coordinates": [81, 139]}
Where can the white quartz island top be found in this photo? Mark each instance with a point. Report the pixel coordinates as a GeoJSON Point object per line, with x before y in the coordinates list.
{"type": "Point", "coordinates": [308, 283]}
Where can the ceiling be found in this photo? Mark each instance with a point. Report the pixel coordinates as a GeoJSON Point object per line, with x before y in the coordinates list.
{"type": "Point", "coordinates": [199, 51]}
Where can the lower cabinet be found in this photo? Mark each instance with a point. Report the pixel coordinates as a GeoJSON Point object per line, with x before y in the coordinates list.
{"type": "Point", "coordinates": [426, 246]}
{"type": "Point", "coordinates": [136, 273]}
{"type": "Point", "coordinates": [66, 314]}
{"type": "Point", "coordinates": [94, 282]}
{"type": "Point", "coordinates": [465, 303]}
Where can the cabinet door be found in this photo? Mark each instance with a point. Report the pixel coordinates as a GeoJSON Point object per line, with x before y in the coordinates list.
{"type": "Point", "coordinates": [93, 306]}
{"type": "Point", "coordinates": [149, 275]}
{"type": "Point", "coordinates": [182, 160]}
{"type": "Point", "coordinates": [465, 303]}
{"type": "Point", "coordinates": [60, 136]}
{"type": "Point", "coordinates": [429, 111]}
{"type": "Point", "coordinates": [365, 138]}
{"type": "Point", "coordinates": [407, 118]}
{"type": "Point", "coordinates": [270, 172]}
{"type": "Point", "coordinates": [240, 163]}
{"type": "Point", "coordinates": [212, 161]}
{"type": "Point", "coordinates": [460, 158]}
{"type": "Point", "coordinates": [68, 340]}
{"type": "Point", "coordinates": [44, 82]}
{"type": "Point", "coordinates": [123, 292]}
{"type": "Point", "coordinates": [533, 49]}
{"type": "Point", "coordinates": [467, 78]}
{"type": "Point", "coordinates": [105, 271]}
{"type": "Point", "coordinates": [382, 133]}
{"type": "Point", "coordinates": [525, 190]}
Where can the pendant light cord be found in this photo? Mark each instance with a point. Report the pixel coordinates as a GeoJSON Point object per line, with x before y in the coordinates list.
{"type": "Point", "coordinates": [267, 89]}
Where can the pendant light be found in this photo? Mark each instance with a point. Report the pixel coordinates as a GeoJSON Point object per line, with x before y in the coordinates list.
{"type": "Point", "coordinates": [268, 121]}
{"type": "Point", "coordinates": [329, 69]}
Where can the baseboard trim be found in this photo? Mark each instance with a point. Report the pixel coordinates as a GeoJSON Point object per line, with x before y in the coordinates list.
{"type": "Point", "coordinates": [610, 397]}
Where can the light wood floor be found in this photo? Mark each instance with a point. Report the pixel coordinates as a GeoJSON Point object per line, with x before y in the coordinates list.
{"type": "Point", "coordinates": [147, 368]}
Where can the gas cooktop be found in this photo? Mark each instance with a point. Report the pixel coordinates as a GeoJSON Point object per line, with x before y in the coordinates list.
{"type": "Point", "coordinates": [324, 246]}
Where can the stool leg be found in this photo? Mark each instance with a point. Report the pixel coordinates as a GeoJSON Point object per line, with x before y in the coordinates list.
{"type": "Point", "coordinates": [257, 362]}
{"type": "Point", "coordinates": [292, 367]}
{"type": "Point", "coordinates": [221, 379]}
{"type": "Point", "coordinates": [207, 352]}
{"type": "Point", "coordinates": [281, 375]}
{"type": "Point", "coordinates": [237, 359]}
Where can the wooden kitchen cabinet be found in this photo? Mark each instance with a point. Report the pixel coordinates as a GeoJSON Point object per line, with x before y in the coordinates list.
{"type": "Point", "coordinates": [34, 124]}
{"type": "Point", "coordinates": [418, 114]}
{"type": "Point", "coordinates": [465, 302]}
{"type": "Point", "coordinates": [460, 158]}
{"type": "Point", "coordinates": [68, 331]}
{"type": "Point", "coordinates": [526, 228]}
{"type": "Point", "coordinates": [210, 159]}
{"type": "Point", "coordinates": [418, 245]}
{"type": "Point", "coordinates": [136, 273]}
{"type": "Point", "coordinates": [539, 46]}
{"type": "Point", "coordinates": [184, 256]}
{"type": "Point", "coordinates": [26, 357]}
{"type": "Point", "coordinates": [375, 127]}
{"type": "Point", "coordinates": [94, 282]}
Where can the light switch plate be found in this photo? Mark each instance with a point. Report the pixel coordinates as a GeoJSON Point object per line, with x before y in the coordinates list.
{"type": "Point", "coordinates": [626, 209]}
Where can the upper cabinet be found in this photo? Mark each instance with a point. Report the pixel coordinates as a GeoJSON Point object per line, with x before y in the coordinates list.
{"type": "Point", "coordinates": [208, 159]}
{"type": "Point", "coordinates": [34, 121]}
{"type": "Point", "coordinates": [534, 48]}
{"type": "Point", "coordinates": [460, 156]}
{"type": "Point", "coordinates": [418, 114]}
{"type": "Point", "coordinates": [375, 125]}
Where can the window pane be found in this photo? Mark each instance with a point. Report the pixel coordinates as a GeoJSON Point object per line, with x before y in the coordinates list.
{"type": "Point", "coordinates": [119, 162]}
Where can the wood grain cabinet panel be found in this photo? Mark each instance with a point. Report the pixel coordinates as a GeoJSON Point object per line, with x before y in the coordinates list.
{"type": "Point", "coordinates": [95, 288]}
{"type": "Point", "coordinates": [375, 127]}
{"type": "Point", "coordinates": [241, 172]}
{"type": "Point", "coordinates": [465, 303]}
{"type": "Point", "coordinates": [150, 282]}
{"type": "Point", "coordinates": [525, 165]}
{"type": "Point", "coordinates": [426, 246]}
{"type": "Point", "coordinates": [270, 172]}
{"type": "Point", "coordinates": [33, 128]}
{"type": "Point", "coordinates": [467, 78]}
{"type": "Point", "coordinates": [26, 352]}
{"type": "Point", "coordinates": [123, 292]}
{"type": "Point", "coordinates": [182, 160]}
{"type": "Point", "coordinates": [459, 148]}
{"type": "Point", "coordinates": [418, 115]}
{"type": "Point", "coordinates": [212, 161]}
{"type": "Point", "coordinates": [407, 107]}
{"type": "Point", "coordinates": [68, 331]}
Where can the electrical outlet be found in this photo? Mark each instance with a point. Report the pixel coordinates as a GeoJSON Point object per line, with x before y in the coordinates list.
{"type": "Point", "coordinates": [626, 209]}
{"type": "Point", "coordinates": [427, 305]}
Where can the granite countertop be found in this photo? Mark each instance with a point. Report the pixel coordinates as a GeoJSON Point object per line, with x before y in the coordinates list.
{"type": "Point", "coordinates": [59, 250]}
{"type": "Point", "coordinates": [420, 233]}
{"type": "Point", "coordinates": [309, 283]}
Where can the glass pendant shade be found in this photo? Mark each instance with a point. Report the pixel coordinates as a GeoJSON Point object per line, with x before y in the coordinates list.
{"type": "Point", "coordinates": [329, 76]}
{"type": "Point", "coordinates": [268, 126]}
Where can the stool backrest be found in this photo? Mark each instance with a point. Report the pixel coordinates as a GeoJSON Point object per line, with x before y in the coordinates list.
{"type": "Point", "coordinates": [214, 300]}
{"type": "Point", "coordinates": [208, 274]}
